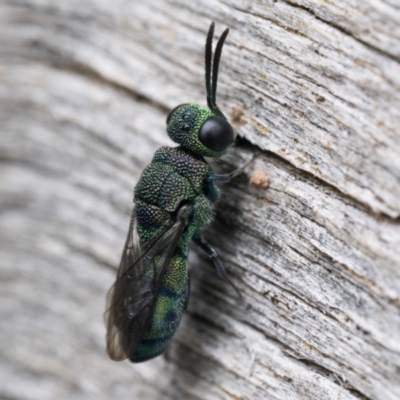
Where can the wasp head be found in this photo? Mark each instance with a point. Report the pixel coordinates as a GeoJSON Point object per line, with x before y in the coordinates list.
{"type": "Point", "coordinates": [204, 131]}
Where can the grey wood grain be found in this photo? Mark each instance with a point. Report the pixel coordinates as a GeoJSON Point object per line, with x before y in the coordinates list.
{"type": "Point", "coordinates": [85, 88]}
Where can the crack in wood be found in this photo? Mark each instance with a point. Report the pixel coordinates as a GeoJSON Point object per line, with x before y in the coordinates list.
{"type": "Point", "coordinates": [327, 373]}
{"type": "Point", "coordinates": [343, 30]}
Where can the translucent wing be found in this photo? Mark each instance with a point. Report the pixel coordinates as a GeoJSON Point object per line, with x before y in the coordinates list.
{"type": "Point", "coordinates": [131, 299]}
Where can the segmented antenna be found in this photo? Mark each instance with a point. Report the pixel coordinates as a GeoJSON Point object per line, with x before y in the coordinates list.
{"type": "Point", "coordinates": [208, 65]}
{"type": "Point", "coordinates": [211, 85]}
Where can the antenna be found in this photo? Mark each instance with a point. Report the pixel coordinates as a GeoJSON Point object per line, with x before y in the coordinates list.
{"type": "Point", "coordinates": [211, 84]}
{"type": "Point", "coordinates": [208, 65]}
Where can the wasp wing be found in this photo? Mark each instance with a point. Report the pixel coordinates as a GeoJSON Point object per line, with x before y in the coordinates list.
{"type": "Point", "coordinates": [131, 299]}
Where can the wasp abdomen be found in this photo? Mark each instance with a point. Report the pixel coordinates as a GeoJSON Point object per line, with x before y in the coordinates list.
{"type": "Point", "coordinates": [168, 310]}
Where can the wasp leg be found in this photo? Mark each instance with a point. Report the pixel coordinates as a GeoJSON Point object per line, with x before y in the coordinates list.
{"type": "Point", "coordinates": [213, 255]}
{"type": "Point", "coordinates": [216, 261]}
{"type": "Point", "coordinates": [223, 178]}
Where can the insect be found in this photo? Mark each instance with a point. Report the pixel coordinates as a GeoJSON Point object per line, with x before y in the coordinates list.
{"type": "Point", "coordinates": [173, 202]}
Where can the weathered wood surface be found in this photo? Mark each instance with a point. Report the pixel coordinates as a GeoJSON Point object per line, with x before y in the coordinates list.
{"type": "Point", "coordinates": [84, 91]}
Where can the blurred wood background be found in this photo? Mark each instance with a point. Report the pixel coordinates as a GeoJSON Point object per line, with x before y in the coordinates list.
{"type": "Point", "coordinates": [85, 87]}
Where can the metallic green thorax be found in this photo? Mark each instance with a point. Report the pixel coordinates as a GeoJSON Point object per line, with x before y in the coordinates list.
{"type": "Point", "coordinates": [175, 175]}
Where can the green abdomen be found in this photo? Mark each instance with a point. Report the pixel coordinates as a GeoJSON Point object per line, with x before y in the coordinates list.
{"type": "Point", "coordinates": [170, 305]}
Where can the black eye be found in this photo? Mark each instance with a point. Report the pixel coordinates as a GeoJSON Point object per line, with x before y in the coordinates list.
{"type": "Point", "coordinates": [216, 133]}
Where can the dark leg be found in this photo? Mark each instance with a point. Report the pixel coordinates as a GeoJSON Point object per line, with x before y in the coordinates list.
{"type": "Point", "coordinates": [216, 261]}
{"type": "Point", "coordinates": [213, 255]}
{"type": "Point", "coordinates": [223, 178]}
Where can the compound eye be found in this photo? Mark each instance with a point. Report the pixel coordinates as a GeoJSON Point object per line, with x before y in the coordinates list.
{"type": "Point", "coordinates": [216, 134]}
{"type": "Point", "coordinates": [172, 112]}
